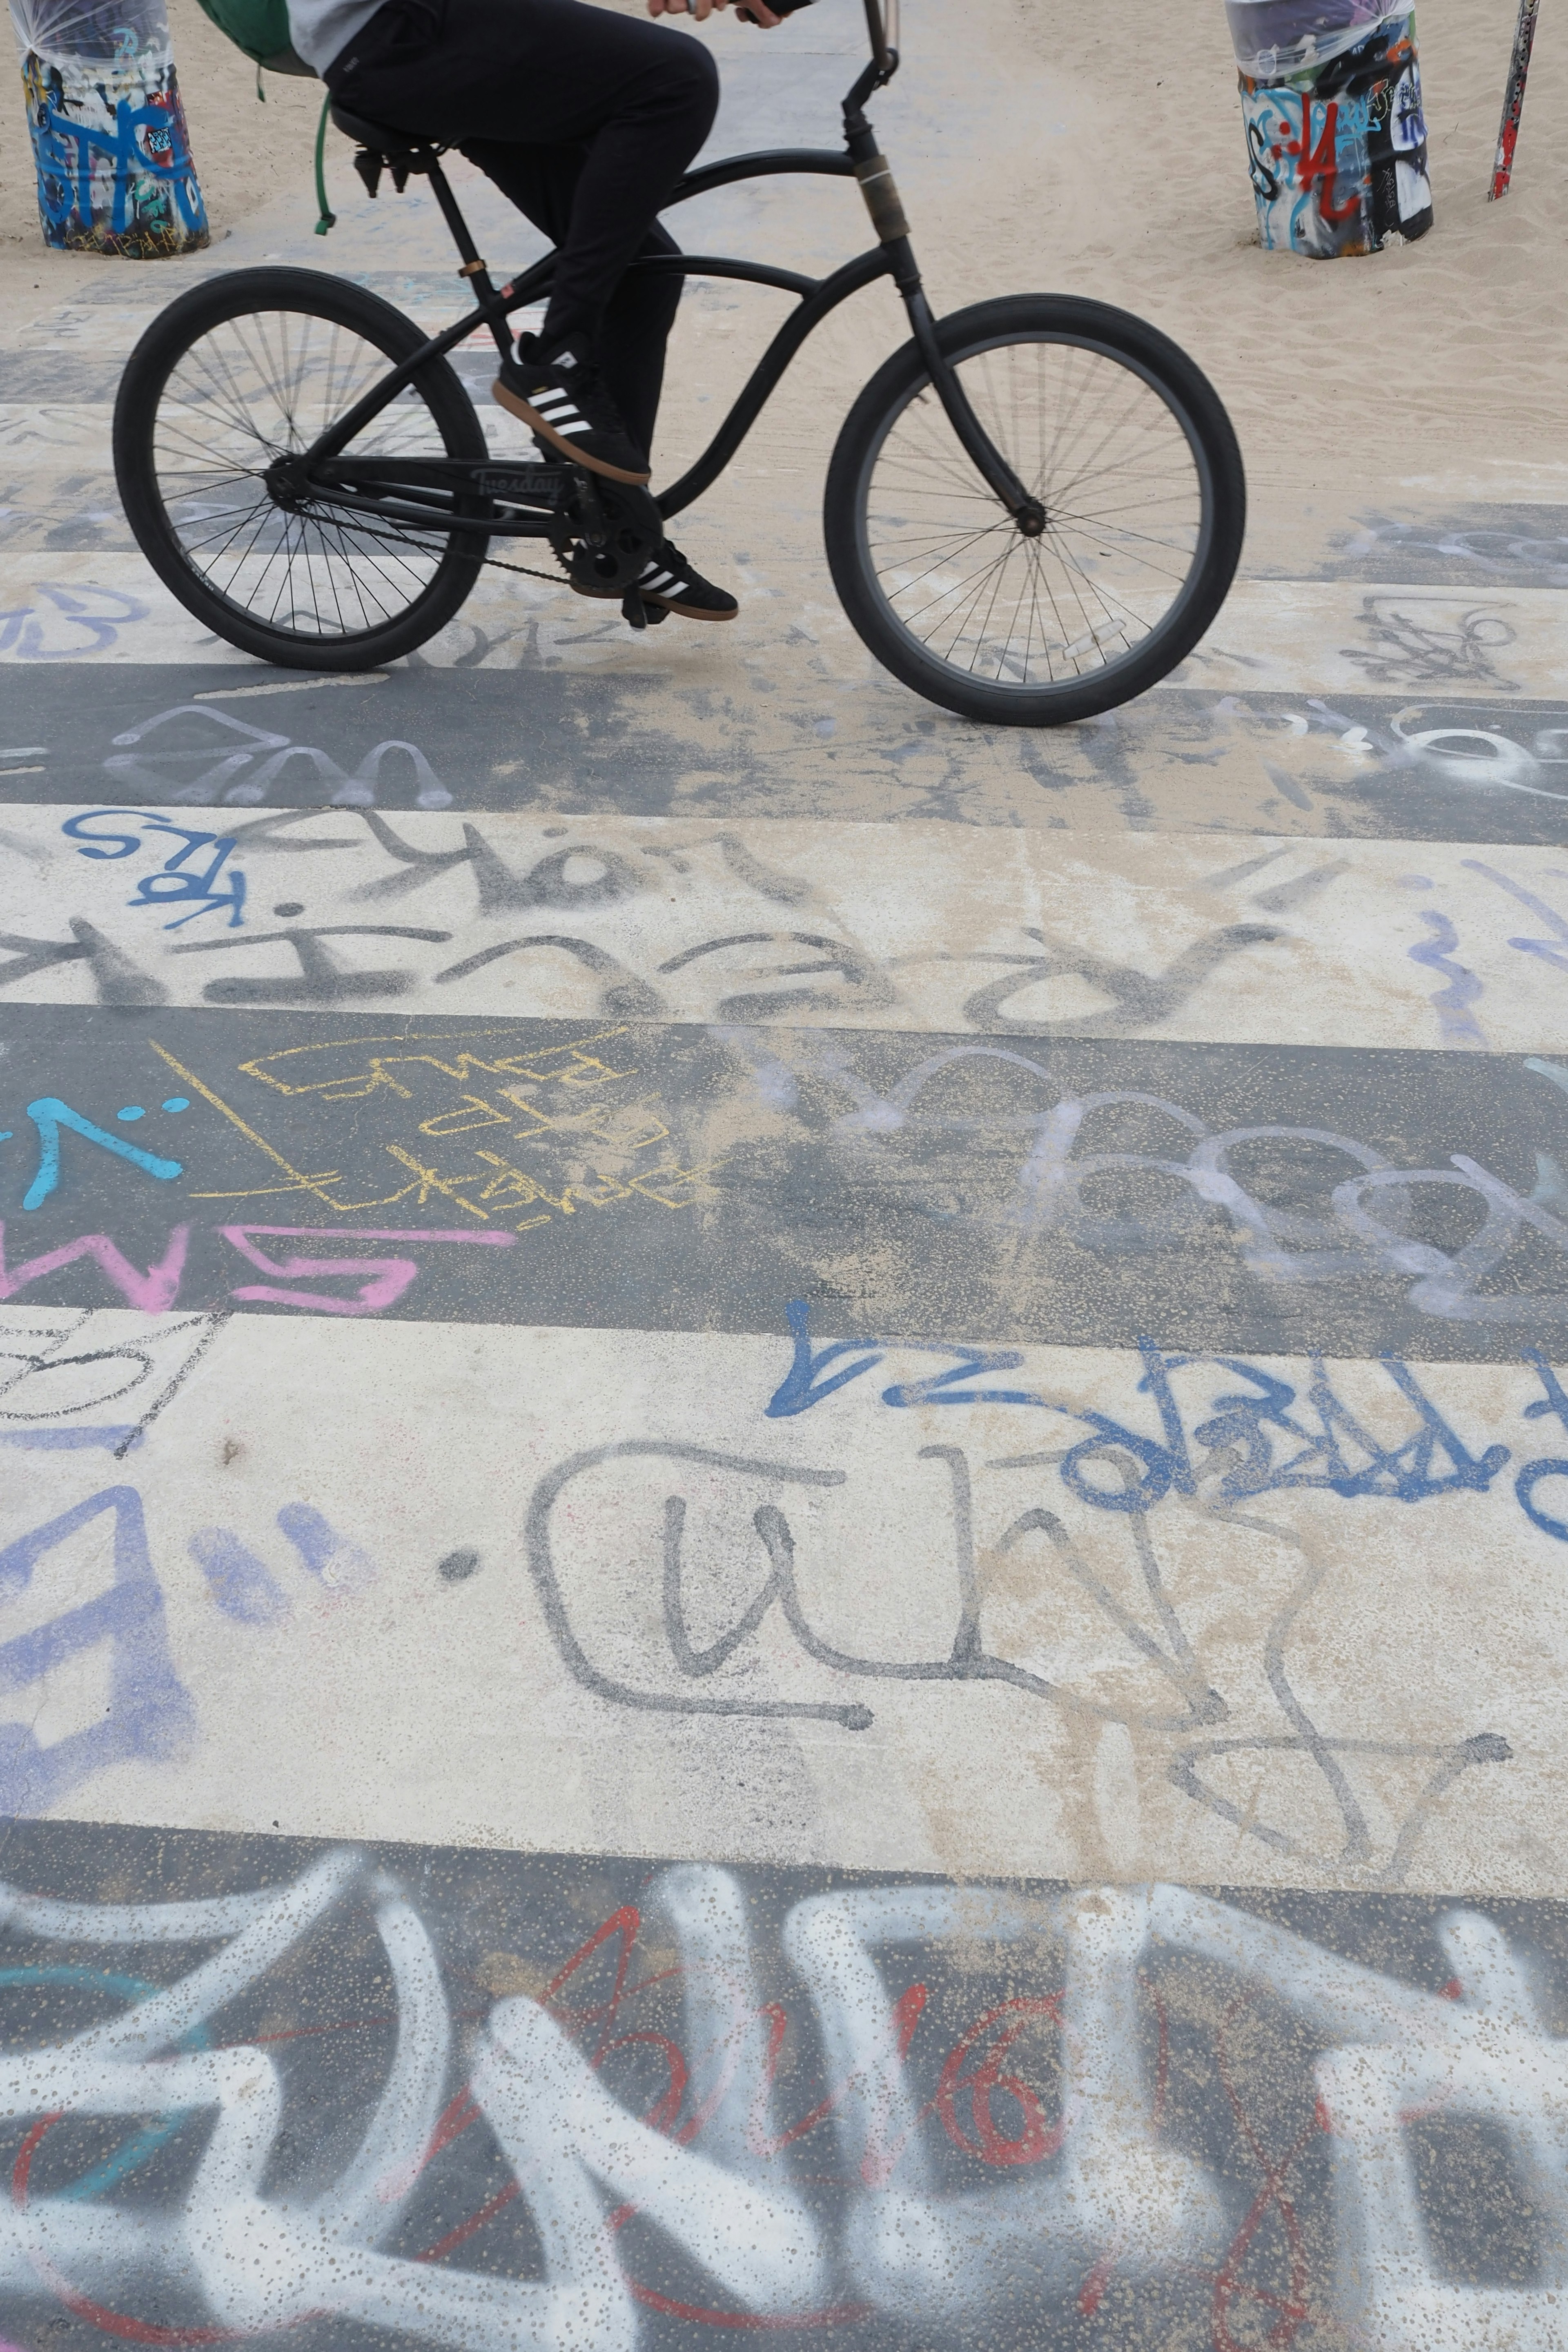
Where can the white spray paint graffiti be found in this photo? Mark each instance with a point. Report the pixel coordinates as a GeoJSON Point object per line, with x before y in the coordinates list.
{"type": "Point", "coordinates": [1094, 2189]}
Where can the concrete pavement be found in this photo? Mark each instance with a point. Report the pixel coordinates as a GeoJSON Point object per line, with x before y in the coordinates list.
{"type": "Point", "coordinates": [787, 1507]}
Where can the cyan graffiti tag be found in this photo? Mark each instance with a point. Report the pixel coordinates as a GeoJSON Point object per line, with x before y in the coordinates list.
{"type": "Point", "coordinates": [49, 1114]}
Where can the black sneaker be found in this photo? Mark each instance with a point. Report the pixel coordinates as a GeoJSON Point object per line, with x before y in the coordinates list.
{"type": "Point", "coordinates": [667, 581]}
{"type": "Point", "coordinates": [559, 398]}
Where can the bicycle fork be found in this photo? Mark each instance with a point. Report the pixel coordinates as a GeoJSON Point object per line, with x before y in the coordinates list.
{"type": "Point", "coordinates": [881, 191]}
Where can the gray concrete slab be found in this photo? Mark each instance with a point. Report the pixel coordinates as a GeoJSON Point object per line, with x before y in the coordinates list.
{"type": "Point", "coordinates": [1402, 764]}
{"type": "Point", "coordinates": [1230, 1198]}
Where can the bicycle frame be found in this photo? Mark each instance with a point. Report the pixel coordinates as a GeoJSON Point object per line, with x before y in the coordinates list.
{"type": "Point", "coordinates": [348, 480]}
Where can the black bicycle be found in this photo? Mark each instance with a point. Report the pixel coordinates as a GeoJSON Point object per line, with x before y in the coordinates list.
{"type": "Point", "coordinates": [1033, 509]}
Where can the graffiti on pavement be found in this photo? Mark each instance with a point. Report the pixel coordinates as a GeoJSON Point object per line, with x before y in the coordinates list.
{"type": "Point", "coordinates": [477, 2100]}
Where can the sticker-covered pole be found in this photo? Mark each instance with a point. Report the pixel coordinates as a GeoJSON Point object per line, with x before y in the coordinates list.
{"type": "Point", "coordinates": [1513, 98]}
{"type": "Point", "coordinates": [110, 145]}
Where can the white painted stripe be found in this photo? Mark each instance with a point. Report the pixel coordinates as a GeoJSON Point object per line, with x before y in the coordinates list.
{"type": "Point", "coordinates": [88, 330]}
{"type": "Point", "coordinates": [1184, 936]}
{"type": "Point", "coordinates": [291, 1698]}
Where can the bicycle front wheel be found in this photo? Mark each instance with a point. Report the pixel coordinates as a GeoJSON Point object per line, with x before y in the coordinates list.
{"type": "Point", "coordinates": [1126, 447]}
{"type": "Point", "coordinates": [251, 369]}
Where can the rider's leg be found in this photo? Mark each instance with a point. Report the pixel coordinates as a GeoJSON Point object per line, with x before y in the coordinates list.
{"type": "Point", "coordinates": [541, 181]}
{"type": "Point", "coordinates": [633, 335]}
{"type": "Point", "coordinates": [634, 100]}
{"type": "Point", "coordinates": [645, 132]}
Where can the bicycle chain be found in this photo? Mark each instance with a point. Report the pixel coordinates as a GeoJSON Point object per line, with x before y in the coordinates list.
{"type": "Point", "coordinates": [527, 570]}
{"type": "Point", "coordinates": [523, 571]}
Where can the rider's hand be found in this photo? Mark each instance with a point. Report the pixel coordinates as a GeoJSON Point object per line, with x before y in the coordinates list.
{"type": "Point", "coordinates": [754, 10]}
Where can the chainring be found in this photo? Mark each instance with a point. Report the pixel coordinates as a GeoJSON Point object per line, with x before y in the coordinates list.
{"type": "Point", "coordinates": [616, 527]}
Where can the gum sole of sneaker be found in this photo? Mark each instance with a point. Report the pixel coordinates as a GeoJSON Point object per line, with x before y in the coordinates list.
{"type": "Point", "coordinates": [514, 404]}
{"type": "Point", "coordinates": [692, 612]}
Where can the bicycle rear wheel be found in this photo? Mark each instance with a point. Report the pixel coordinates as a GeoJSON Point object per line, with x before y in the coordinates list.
{"type": "Point", "coordinates": [1126, 446]}
{"type": "Point", "coordinates": [240, 373]}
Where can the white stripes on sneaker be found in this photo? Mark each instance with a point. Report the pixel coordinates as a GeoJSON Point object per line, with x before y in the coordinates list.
{"type": "Point", "coordinates": [561, 412]}
{"type": "Point", "coordinates": [655, 578]}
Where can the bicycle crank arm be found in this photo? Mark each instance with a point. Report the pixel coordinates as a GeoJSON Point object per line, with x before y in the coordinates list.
{"type": "Point", "coordinates": [619, 526]}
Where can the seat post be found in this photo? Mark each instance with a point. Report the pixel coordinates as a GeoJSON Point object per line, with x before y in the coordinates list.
{"type": "Point", "coordinates": [475, 269]}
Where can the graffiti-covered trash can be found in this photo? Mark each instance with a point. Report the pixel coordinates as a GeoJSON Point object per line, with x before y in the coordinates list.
{"type": "Point", "coordinates": [1330, 91]}
{"type": "Point", "coordinates": [110, 141]}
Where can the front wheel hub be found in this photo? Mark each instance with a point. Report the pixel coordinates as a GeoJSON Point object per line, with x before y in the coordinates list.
{"type": "Point", "coordinates": [1031, 520]}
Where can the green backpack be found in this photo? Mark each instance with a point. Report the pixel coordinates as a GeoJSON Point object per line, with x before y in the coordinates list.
{"type": "Point", "coordinates": [259, 27]}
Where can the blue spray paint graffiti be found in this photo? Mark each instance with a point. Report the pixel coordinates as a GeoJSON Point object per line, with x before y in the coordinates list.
{"type": "Point", "coordinates": [170, 886]}
{"type": "Point", "coordinates": [1550, 950]}
{"type": "Point", "coordinates": [1264, 1438]}
{"type": "Point", "coordinates": [1452, 1004]}
{"type": "Point", "coordinates": [1551, 1466]}
{"type": "Point", "coordinates": [239, 1584]}
{"type": "Point", "coordinates": [149, 1712]}
{"type": "Point", "coordinates": [338, 1563]}
{"type": "Point", "coordinates": [86, 616]}
{"type": "Point", "coordinates": [245, 1590]}
{"type": "Point", "coordinates": [112, 154]}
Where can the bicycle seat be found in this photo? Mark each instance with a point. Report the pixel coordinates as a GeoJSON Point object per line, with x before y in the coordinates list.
{"type": "Point", "coordinates": [396, 146]}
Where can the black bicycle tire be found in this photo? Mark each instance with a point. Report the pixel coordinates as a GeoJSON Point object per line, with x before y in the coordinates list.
{"type": "Point", "coordinates": [238, 294]}
{"type": "Point", "coordinates": [1197, 405]}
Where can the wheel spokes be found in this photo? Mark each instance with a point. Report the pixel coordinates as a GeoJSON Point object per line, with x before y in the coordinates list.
{"type": "Point", "coordinates": [1109, 460]}
{"type": "Point", "coordinates": [253, 389]}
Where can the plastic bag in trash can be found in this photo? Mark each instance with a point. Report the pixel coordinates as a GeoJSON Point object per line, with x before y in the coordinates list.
{"type": "Point", "coordinates": [98, 31]}
{"type": "Point", "coordinates": [1276, 38]}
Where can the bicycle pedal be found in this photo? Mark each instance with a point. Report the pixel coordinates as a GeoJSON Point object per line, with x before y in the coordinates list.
{"type": "Point", "coordinates": [634, 610]}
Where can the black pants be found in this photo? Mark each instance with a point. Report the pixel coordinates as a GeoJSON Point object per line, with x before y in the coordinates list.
{"type": "Point", "coordinates": [585, 119]}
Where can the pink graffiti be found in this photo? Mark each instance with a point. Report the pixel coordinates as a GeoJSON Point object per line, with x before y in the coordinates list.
{"type": "Point", "coordinates": [154, 1291]}
{"type": "Point", "coordinates": [382, 1288]}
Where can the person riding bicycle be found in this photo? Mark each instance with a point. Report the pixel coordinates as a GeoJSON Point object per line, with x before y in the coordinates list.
{"type": "Point", "coordinates": [586, 119]}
